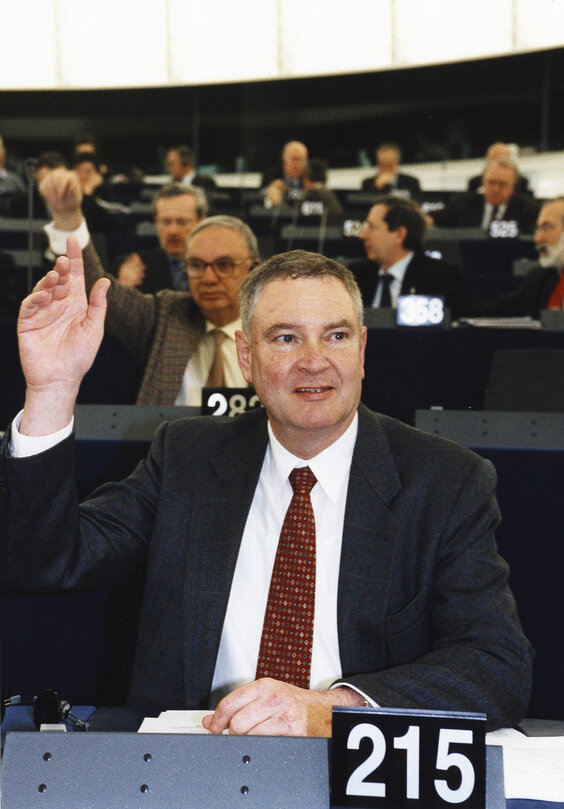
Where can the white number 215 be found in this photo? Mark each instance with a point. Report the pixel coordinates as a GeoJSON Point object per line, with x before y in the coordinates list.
{"type": "Point", "coordinates": [357, 785]}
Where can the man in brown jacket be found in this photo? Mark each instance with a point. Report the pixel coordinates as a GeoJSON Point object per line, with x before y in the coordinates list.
{"type": "Point", "coordinates": [174, 334]}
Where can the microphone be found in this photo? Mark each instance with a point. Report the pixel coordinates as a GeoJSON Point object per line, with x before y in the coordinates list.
{"type": "Point", "coordinates": [30, 166]}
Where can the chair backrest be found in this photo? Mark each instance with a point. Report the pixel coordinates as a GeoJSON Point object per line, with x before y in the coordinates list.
{"type": "Point", "coordinates": [526, 380]}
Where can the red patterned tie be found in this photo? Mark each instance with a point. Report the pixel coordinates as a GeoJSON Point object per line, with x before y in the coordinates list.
{"type": "Point", "coordinates": [287, 633]}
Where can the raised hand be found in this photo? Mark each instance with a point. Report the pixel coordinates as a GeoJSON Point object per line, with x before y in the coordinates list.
{"type": "Point", "coordinates": [132, 271]}
{"type": "Point", "coordinates": [59, 333]}
{"type": "Point", "coordinates": [61, 191]}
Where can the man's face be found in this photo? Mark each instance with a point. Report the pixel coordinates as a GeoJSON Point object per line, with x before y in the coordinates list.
{"type": "Point", "coordinates": [86, 173]}
{"type": "Point", "coordinates": [175, 218]}
{"type": "Point", "coordinates": [294, 160]}
{"type": "Point", "coordinates": [549, 235]}
{"type": "Point", "coordinates": [218, 298]}
{"type": "Point", "coordinates": [499, 184]}
{"type": "Point", "coordinates": [388, 161]}
{"type": "Point", "coordinates": [174, 165]}
{"type": "Point", "coordinates": [306, 360]}
{"type": "Point", "coordinates": [380, 243]}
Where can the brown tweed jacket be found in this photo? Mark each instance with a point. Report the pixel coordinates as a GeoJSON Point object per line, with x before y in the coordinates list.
{"type": "Point", "coordinates": [161, 331]}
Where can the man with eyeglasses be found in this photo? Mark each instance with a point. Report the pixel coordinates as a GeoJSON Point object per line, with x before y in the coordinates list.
{"type": "Point", "coordinates": [174, 334]}
{"type": "Point", "coordinates": [543, 287]}
{"type": "Point", "coordinates": [177, 210]}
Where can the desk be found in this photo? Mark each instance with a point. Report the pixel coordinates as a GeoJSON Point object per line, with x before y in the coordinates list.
{"type": "Point", "coordinates": [182, 770]}
{"type": "Point", "coordinates": [410, 369]}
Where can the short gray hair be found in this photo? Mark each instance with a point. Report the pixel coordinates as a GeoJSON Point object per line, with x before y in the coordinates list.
{"type": "Point", "coordinates": [179, 189]}
{"type": "Point", "coordinates": [232, 223]}
{"type": "Point", "coordinates": [294, 264]}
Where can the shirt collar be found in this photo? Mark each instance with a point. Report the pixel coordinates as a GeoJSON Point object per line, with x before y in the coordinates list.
{"type": "Point", "coordinates": [399, 268]}
{"type": "Point", "coordinates": [330, 467]}
{"type": "Point", "coordinates": [229, 329]}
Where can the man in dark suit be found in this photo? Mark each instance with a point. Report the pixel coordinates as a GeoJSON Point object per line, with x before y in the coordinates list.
{"type": "Point", "coordinates": [393, 237]}
{"type": "Point", "coordinates": [498, 201]}
{"type": "Point", "coordinates": [412, 606]}
{"type": "Point", "coordinates": [508, 151]}
{"type": "Point", "coordinates": [543, 286]}
{"type": "Point", "coordinates": [181, 163]}
{"type": "Point", "coordinates": [178, 209]}
{"type": "Point", "coordinates": [281, 182]}
{"type": "Point", "coordinates": [389, 180]}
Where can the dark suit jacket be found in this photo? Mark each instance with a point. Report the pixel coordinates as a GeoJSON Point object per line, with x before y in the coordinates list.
{"type": "Point", "coordinates": [404, 182]}
{"type": "Point", "coordinates": [204, 181]}
{"type": "Point", "coordinates": [425, 616]}
{"type": "Point", "coordinates": [522, 186]}
{"type": "Point", "coordinates": [529, 299]}
{"type": "Point", "coordinates": [466, 210]}
{"type": "Point", "coordinates": [273, 173]}
{"type": "Point", "coordinates": [425, 276]}
{"type": "Point", "coordinates": [157, 273]}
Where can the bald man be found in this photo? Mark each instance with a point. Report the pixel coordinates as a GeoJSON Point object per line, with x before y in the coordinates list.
{"type": "Point", "coordinates": [279, 181]}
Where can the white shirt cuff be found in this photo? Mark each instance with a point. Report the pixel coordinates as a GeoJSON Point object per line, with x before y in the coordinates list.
{"type": "Point", "coordinates": [358, 691]}
{"type": "Point", "coordinates": [22, 446]}
{"type": "Point", "coordinates": [58, 238]}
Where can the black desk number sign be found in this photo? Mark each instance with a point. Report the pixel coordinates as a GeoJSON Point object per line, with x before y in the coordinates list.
{"type": "Point", "coordinates": [404, 759]}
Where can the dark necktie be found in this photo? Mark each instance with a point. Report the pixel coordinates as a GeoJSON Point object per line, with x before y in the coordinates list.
{"type": "Point", "coordinates": [178, 272]}
{"type": "Point", "coordinates": [494, 213]}
{"type": "Point", "coordinates": [216, 376]}
{"type": "Point", "coordinates": [385, 297]}
{"type": "Point", "coordinates": [287, 633]}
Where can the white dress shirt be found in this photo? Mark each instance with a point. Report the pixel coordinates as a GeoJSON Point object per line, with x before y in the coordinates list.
{"type": "Point", "coordinates": [242, 629]}
{"type": "Point", "coordinates": [200, 362]}
{"type": "Point", "coordinates": [488, 217]}
{"type": "Point", "coordinates": [397, 271]}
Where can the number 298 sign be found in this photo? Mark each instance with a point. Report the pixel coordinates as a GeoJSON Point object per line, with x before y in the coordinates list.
{"type": "Point", "coordinates": [404, 759]}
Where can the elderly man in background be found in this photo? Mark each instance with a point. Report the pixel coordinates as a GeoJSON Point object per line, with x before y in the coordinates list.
{"type": "Point", "coordinates": [183, 339]}
{"type": "Point", "coordinates": [543, 287]}
{"type": "Point", "coordinates": [497, 201]}
{"type": "Point", "coordinates": [284, 180]}
{"type": "Point", "coordinates": [508, 151]}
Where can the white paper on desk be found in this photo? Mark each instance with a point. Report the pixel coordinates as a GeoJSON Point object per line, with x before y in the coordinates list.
{"type": "Point", "coordinates": [502, 322]}
{"type": "Point", "coordinates": [533, 766]}
{"type": "Point", "coordinates": [175, 722]}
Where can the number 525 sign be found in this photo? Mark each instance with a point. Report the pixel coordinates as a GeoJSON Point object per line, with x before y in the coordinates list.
{"type": "Point", "coordinates": [404, 759]}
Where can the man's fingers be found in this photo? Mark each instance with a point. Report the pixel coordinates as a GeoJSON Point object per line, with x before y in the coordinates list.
{"type": "Point", "coordinates": [74, 254]}
{"type": "Point", "coordinates": [98, 296]}
{"type": "Point", "coordinates": [30, 304]}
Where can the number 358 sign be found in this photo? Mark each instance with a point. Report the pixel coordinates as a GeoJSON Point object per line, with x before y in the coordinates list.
{"type": "Point", "coordinates": [403, 759]}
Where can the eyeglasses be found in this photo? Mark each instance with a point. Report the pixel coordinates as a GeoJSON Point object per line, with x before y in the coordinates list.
{"type": "Point", "coordinates": [179, 222]}
{"type": "Point", "coordinates": [223, 267]}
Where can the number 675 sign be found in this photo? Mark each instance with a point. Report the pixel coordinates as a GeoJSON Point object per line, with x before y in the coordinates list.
{"type": "Point", "coordinates": [404, 759]}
